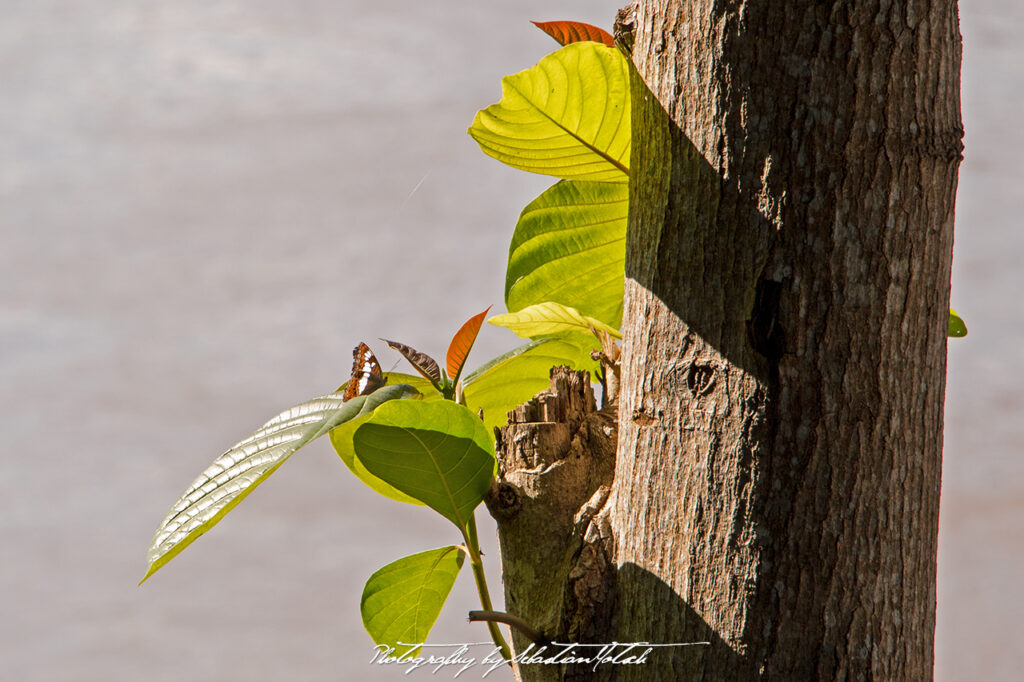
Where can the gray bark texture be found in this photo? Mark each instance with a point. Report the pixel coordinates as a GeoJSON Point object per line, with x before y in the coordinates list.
{"type": "Point", "coordinates": [776, 492]}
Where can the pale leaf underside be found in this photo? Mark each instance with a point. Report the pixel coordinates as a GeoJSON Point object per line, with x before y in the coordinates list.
{"type": "Point", "coordinates": [234, 474]}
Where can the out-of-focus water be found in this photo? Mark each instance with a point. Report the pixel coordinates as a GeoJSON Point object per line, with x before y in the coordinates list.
{"type": "Point", "coordinates": [205, 205]}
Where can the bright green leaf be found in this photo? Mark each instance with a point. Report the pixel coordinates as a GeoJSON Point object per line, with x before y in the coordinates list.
{"type": "Point", "coordinates": [957, 328]}
{"type": "Point", "coordinates": [436, 452]}
{"type": "Point", "coordinates": [550, 319]}
{"type": "Point", "coordinates": [568, 116]}
{"type": "Point", "coordinates": [569, 246]}
{"type": "Point", "coordinates": [235, 474]}
{"type": "Point", "coordinates": [402, 601]}
{"type": "Point", "coordinates": [341, 437]}
{"type": "Point", "coordinates": [515, 377]}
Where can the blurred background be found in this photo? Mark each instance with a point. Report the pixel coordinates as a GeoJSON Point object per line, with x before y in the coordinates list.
{"type": "Point", "coordinates": [204, 205]}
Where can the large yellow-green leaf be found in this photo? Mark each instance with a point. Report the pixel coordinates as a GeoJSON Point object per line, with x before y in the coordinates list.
{"type": "Point", "coordinates": [569, 246]}
{"type": "Point", "coordinates": [235, 474]}
{"type": "Point", "coordinates": [549, 319]}
{"type": "Point", "coordinates": [515, 377]}
{"type": "Point", "coordinates": [437, 452]}
{"type": "Point", "coordinates": [402, 601]}
{"type": "Point", "coordinates": [341, 437]}
{"type": "Point", "coordinates": [568, 116]}
{"type": "Point", "coordinates": [957, 328]}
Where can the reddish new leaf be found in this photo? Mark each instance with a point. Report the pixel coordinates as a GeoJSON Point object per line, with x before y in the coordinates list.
{"type": "Point", "coordinates": [566, 32]}
{"type": "Point", "coordinates": [423, 363]}
{"type": "Point", "coordinates": [461, 344]}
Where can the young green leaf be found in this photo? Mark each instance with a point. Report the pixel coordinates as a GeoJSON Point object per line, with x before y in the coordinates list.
{"type": "Point", "coordinates": [436, 452]}
{"type": "Point", "coordinates": [567, 116]}
{"type": "Point", "coordinates": [402, 601]}
{"type": "Point", "coordinates": [566, 32]}
{"type": "Point", "coordinates": [513, 378]}
{"type": "Point", "coordinates": [462, 343]}
{"type": "Point", "coordinates": [957, 328]}
{"type": "Point", "coordinates": [341, 438]}
{"type": "Point", "coordinates": [569, 246]}
{"type": "Point", "coordinates": [550, 319]}
{"type": "Point", "coordinates": [235, 474]}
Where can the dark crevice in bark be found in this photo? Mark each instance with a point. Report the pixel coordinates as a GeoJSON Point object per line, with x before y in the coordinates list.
{"type": "Point", "coordinates": [764, 328]}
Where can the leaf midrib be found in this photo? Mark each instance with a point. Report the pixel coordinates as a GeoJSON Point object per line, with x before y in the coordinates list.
{"type": "Point", "coordinates": [591, 147]}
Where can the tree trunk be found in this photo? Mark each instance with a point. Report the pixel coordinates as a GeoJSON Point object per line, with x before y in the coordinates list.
{"type": "Point", "coordinates": [776, 490]}
{"type": "Point", "coordinates": [556, 459]}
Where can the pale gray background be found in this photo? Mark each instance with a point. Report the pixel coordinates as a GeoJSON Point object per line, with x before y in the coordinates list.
{"type": "Point", "coordinates": [205, 204]}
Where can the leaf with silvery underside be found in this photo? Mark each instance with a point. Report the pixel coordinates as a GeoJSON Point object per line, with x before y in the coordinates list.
{"type": "Point", "coordinates": [957, 328]}
{"type": "Point", "coordinates": [462, 343]}
{"type": "Point", "coordinates": [437, 452]}
{"type": "Point", "coordinates": [569, 246]}
{"type": "Point", "coordinates": [401, 601]}
{"type": "Point", "coordinates": [235, 474]}
{"type": "Point", "coordinates": [567, 116]}
{"type": "Point", "coordinates": [551, 319]}
{"type": "Point", "coordinates": [421, 362]}
{"type": "Point", "coordinates": [509, 380]}
{"type": "Point", "coordinates": [566, 32]}
{"type": "Point", "coordinates": [341, 438]}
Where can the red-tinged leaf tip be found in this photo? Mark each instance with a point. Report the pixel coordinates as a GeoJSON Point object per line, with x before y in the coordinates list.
{"type": "Point", "coordinates": [462, 342]}
{"type": "Point", "coordinates": [566, 32]}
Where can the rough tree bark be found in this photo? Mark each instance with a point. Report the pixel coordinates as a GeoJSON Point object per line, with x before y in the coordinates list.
{"type": "Point", "coordinates": [794, 169]}
{"type": "Point", "coordinates": [556, 459]}
{"type": "Point", "coordinates": [776, 481]}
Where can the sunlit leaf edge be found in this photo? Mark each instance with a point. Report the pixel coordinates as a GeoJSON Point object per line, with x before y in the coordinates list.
{"type": "Point", "coordinates": [550, 319]}
{"type": "Point", "coordinates": [247, 464]}
{"type": "Point", "coordinates": [520, 131]}
{"type": "Point", "coordinates": [381, 587]}
{"type": "Point", "coordinates": [569, 246]}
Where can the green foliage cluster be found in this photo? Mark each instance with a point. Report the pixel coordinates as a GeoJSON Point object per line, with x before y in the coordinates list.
{"type": "Point", "coordinates": [569, 117]}
{"type": "Point", "coordinates": [425, 439]}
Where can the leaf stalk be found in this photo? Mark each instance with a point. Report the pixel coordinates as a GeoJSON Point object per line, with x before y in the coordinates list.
{"type": "Point", "coordinates": [476, 561]}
